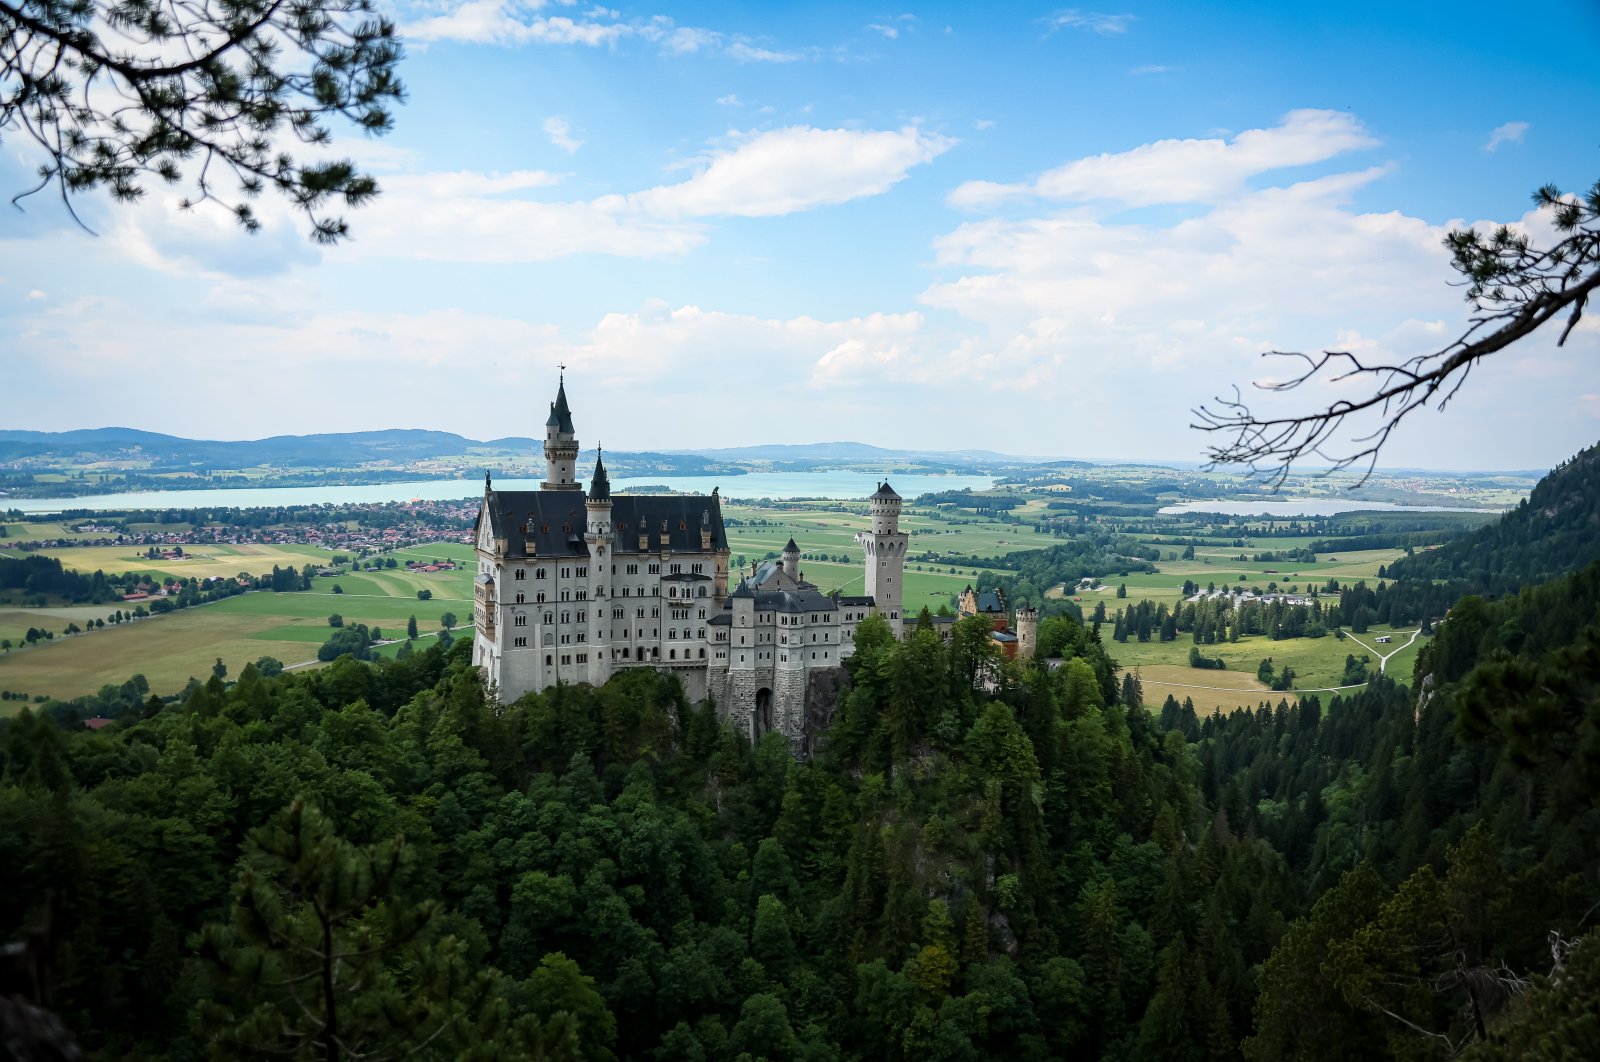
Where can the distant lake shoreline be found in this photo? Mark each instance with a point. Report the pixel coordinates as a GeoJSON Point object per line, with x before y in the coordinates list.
{"type": "Point", "coordinates": [1308, 507]}
{"type": "Point", "coordinates": [834, 484]}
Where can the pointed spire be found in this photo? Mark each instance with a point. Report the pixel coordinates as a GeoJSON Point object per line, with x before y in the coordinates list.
{"type": "Point", "coordinates": [791, 547]}
{"type": "Point", "coordinates": [560, 414]}
{"type": "Point", "coordinates": [600, 486]}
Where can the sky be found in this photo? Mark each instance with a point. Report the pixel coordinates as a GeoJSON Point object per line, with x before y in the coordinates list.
{"type": "Point", "coordinates": [1033, 229]}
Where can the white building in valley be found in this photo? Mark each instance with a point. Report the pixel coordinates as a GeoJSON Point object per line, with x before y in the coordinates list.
{"type": "Point", "coordinates": [572, 587]}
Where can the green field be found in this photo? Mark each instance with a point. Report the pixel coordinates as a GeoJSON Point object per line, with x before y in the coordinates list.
{"type": "Point", "coordinates": [170, 649]}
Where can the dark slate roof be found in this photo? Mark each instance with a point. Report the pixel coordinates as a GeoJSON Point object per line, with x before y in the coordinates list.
{"type": "Point", "coordinates": [791, 547]}
{"type": "Point", "coordinates": [600, 486]}
{"type": "Point", "coordinates": [1003, 636]}
{"type": "Point", "coordinates": [560, 415]}
{"type": "Point", "coordinates": [989, 601]}
{"type": "Point", "coordinates": [722, 618]}
{"type": "Point", "coordinates": [553, 522]}
{"type": "Point", "coordinates": [686, 577]}
{"type": "Point", "coordinates": [793, 601]}
{"type": "Point", "coordinates": [885, 491]}
{"type": "Point", "coordinates": [854, 601]}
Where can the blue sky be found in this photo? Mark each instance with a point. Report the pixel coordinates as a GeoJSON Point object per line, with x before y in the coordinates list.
{"type": "Point", "coordinates": [1036, 229]}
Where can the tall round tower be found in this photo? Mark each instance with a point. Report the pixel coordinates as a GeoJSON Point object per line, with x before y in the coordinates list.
{"type": "Point", "coordinates": [885, 548]}
{"type": "Point", "coordinates": [560, 445]}
{"type": "Point", "coordinates": [1027, 632]}
{"type": "Point", "coordinates": [791, 561]}
{"type": "Point", "coordinates": [600, 539]}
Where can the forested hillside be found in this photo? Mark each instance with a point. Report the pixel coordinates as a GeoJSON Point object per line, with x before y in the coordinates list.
{"type": "Point", "coordinates": [370, 861]}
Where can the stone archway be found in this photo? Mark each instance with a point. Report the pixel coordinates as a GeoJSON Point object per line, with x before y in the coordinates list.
{"type": "Point", "coordinates": [761, 719]}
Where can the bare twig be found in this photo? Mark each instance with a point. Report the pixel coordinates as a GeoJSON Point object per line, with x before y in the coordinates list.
{"type": "Point", "coordinates": [1514, 289]}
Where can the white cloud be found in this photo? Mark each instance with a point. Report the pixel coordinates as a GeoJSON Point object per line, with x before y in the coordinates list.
{"type": "Point", "coordinates": [1183, 171]}
{"type": "Point", "coordinates": [1150, 69]}
{"type": "Point", "coordinates": [35, 295]}
{"type": "Point", "coordinates": [1510, 133]}
{"type": "Point", "coordinates": [516, 22]}
{"type": "Point", "coordinates": [730, 100]}
{"type": "Point", "coordinates": [791, 169]}
{"type": "Point", "coordinates": [983, 123]}
{"type": "Point", "coordinates": [1094, 21]}
{"type": "Point", "coordinates": [745, 52]}
{"type": "Point", "coordinates": [560, 135]}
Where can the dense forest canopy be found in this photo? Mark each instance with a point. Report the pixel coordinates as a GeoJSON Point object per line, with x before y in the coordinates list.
{"type": "Point", "coordinates": [985, 859]}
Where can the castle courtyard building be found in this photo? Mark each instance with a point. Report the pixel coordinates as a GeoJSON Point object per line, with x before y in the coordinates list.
{"type": "Point", "coordinates": [574, 586]}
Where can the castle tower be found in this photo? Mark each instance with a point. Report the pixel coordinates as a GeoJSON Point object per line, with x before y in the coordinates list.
{"type": "Point", "coordinates": [560, 445]}
{"type": "Point", "coordinates": [885, 548]}
{"type": "Point", "coordinates": [599, 537]}
{"type": "Point", "coordinates": [791, 561]}
{"type": "Point", "coordinates": [1027, 632]}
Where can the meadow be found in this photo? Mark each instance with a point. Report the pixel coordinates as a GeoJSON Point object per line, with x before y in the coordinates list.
{"type": "Point", "coordinates": [170, 649]}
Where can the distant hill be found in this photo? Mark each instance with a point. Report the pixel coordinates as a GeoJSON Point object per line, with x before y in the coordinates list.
{"type": "Point", "coordinates": [863, 452]}
{"type": "Point", "coordinates": [1554, 532]}
{"type": "Point", "coordinates": [288, 451]}
{"type": "Point", "coordinates": [345, 449]}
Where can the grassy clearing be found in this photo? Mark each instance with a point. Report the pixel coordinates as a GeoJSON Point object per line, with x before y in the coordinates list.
{"type": "Point", "coordinates": [1211, 691]}
{"type": "Point", "coordinates": [169, 649]}
{"type": "Point", "coordinates": [1318, 662]}
{"type": "Point", "coordinates": [207, 562]}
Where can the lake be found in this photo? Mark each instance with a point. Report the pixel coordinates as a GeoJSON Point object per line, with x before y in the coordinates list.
{"type": "Point", "coordinates": [1308, 507]}
{"type": "Point", "coordinates": [829, 483]}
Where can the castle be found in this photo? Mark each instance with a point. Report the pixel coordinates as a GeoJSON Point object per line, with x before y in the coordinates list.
{"type": "Point", "coordinates": [572, 587]}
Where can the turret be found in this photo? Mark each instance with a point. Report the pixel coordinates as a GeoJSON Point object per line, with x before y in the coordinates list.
{"type": "Point", "coordinates": [791, 561]}
{"type": "Point", "coordinates": [560, 445]}
{"type": "Point", "coordinates": [1027, 632]}
{"type": "Point", "coordinates": [599, 501]}
{"type": "Point", "coordinates": [885, 549]}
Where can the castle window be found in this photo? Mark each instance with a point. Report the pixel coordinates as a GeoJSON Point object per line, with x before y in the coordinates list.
{"type": "Point", "coordinates": [538, 598]}
{"type": "Point", "coordinates": [654, 569]}
{"type": "Point", "coordinates": [549, 617]}
{"type": "Point", "coordinates": [675, 569]}
{"type": "Point", "coordinates": [655, 653]}
{"type": "Point", "coordinates": [702, 632]}
{"type": "Point", "coordinates": [566, 658]}
{"type": "Point", "coordinates": [519, 643]}
{"type": "Point", "coordinates": [538, 573]}
{"type": "Point", "coordinates": [583, 658]}
{"type": "Point", "coordinates": [521, 620]}
{"type": "Point", "coordinates": [655, 591]}
{"type": "Point", "coordinates": [547, 659]}
{"type": "Point", "coordinates": [672, 654]}
{"type": "Point", "coordinates": [624, 591]}
{"type": "Point", "coordinates": [519, 597]}
{"type": "Point", "coordinates": [702, 613]}
{"type": "Point", "coordinates": [639, 614]}
{"type": "Point", "coordinates": [633, 569]}
{"type": "Point", "coordinates": [696, 568]}
{"type": "Point", "coordinates": [702, 592]}
{"type": "Point", "coordinates": [583, 571]}
{"type": "Point", "coordinates": [521, 573]}
{"type": "Point", "coordinates": [624, 652]}
{"type": "Point", "coordinates": [702, 654]}
{"type": "Point", "coordinates": [566, 595]}
{"type": "Point", "coordinates": [566, 617]}
{"type": "Point", "coordinates": [673, 633]}
{"type": "Point", "coordinates": [583, 595]}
